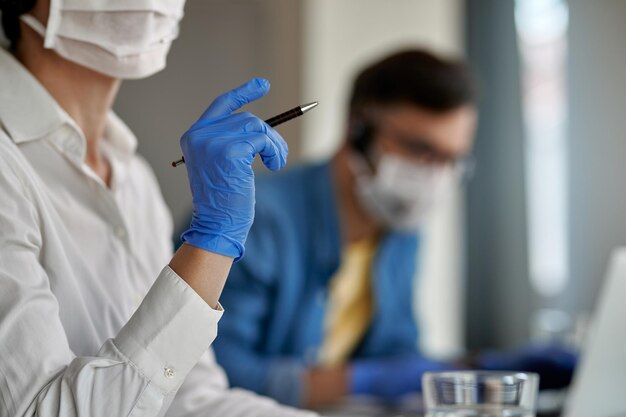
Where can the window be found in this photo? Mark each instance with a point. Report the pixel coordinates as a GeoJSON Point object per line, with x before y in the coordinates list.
{"type": "Point", "coordinates": [542, 35]}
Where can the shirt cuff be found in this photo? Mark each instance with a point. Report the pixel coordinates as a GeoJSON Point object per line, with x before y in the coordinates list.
{"type": "Point", "coordinates": [169, 332]}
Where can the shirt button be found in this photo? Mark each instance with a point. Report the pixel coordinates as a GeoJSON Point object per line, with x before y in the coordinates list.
{"type": "Point", "coordinates": [170, 373]}
{"type": "Point", "coordinates": [120, 232]}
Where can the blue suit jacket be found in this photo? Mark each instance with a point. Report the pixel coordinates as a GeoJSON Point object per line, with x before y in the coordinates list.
{"type": "Point", "coordinates": [275, 297]}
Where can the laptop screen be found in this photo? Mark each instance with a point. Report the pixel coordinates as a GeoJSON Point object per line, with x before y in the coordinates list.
{"type": "Point", "coordinates": [599, 388]}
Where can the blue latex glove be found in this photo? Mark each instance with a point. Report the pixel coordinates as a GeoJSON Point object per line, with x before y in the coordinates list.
{"type": "Point", "coordinates": [554, 363]}
{"type": "Point", "coordinates": [219, 150]}
{"type": "Point", "coordinates": [391, 378]}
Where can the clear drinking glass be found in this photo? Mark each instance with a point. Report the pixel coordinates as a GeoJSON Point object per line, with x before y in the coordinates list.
{"type": "Point", "coordinates": [480, 394]}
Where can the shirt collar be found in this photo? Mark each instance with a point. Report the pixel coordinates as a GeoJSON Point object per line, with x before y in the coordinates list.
{"type": "Point", "coordinates": [119, 138]}
{"type": "Point", "coordinates": [119, 145]}
{"type": "Point", "coordinates": [28, 112]}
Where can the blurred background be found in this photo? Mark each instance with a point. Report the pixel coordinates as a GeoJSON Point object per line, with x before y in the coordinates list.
{"type": "Point", "coordinates": [520, 251]}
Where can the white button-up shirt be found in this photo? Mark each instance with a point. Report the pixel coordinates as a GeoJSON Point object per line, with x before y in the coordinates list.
{"type": "Point", "coordinates": [92, 321]}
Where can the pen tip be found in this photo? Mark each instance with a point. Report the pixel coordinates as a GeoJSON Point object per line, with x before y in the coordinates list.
{"type": "Point", "coordinates": [308, 106]}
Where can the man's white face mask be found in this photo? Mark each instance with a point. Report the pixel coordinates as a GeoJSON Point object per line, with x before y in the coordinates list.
{"type": "Point", "coordinates": [119, 38]}
{"type": "Point", "coordinates": [401, 194]}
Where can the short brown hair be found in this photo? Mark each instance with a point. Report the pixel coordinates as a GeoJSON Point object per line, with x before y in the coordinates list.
{"type": "Point", "coordinates": [416, 77]}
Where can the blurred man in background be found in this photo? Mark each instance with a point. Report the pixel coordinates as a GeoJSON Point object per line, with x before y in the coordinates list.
{"type": "Point", "coordinates": [322, 307]}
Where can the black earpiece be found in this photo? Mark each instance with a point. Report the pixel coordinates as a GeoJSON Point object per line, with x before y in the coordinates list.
{"type": "Point", "coordinates": [361, 135]}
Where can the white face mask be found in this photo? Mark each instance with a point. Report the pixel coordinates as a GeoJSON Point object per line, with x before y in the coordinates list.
{"type": "Point", "coordinates": [401, 194]}
{"type": "Point", "coordinates": [119, 38]}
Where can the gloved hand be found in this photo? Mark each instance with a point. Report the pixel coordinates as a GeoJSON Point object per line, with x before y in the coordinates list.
{"type": "Point", "coordinates": [219, 150]}
{"type": "Point", "coordinates": [391, 378]}
{"type": "Point", "coordinates": [554, 363]}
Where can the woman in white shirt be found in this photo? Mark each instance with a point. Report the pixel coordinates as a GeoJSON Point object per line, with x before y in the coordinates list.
{"type": "Point", "coordinates": [96, 316]}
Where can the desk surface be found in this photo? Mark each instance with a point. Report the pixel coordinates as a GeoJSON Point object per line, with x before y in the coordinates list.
{"type": "Point", "coordinates": [412, 406]}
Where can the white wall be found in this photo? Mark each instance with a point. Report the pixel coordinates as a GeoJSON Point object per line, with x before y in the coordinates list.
{"type": "Point", "coordinates": [340, 36]}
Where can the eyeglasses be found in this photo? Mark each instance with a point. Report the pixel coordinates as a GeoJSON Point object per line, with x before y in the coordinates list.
{"type": "Point", "coordinates": [423, 151]}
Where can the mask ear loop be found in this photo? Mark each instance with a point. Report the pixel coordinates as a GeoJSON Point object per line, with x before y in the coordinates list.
{"type": "Point", "coordinates": [34, 24]}
{"type": "Point", "coordinates": [48, 31]}
{"type": "Point", "coordinates": [54, 21]}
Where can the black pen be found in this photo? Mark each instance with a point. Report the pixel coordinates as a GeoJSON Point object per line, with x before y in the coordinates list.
{"type": "Point", "coordinates": [274, 121]}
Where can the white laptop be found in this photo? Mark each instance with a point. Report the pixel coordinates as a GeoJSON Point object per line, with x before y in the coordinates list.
{"type": "Point", "coordinates": [599, 387]}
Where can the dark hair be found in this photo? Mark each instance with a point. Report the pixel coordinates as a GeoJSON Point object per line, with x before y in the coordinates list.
{"type": "Point", "coordinates": [11, 12]}
{"type": "Point", "coordinates": [416, 77]}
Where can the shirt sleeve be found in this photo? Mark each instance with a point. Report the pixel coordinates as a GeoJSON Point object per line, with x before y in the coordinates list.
{"type": "Point", "coordinates": [131, 375]}
{"type": "Point", "coordinates": [205, 393]}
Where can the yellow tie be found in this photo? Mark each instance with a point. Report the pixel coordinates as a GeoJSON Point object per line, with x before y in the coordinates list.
{"type": "Point", "coordinates": [350, 302]}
